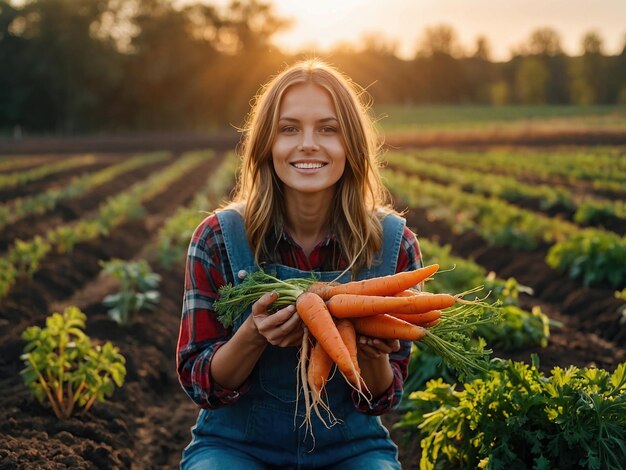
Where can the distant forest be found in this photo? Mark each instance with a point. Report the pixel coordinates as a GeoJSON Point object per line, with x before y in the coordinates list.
{"type": "Point", "coordinates": [83, 66]}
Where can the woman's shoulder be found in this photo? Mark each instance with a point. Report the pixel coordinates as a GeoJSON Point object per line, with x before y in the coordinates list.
{"type": "Point", "coordinates": [389, 213]}
{"type": "Point", "coordinates": [210, 226]}
{"type": "Point", "coordinates": [207, 230]}
{"type": "Point", "coordinates": [209, 234]}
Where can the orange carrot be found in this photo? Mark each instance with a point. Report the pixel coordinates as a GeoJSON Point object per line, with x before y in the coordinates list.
{"type": "Point", "coordinates": [318, 371]}
{"type": "Point", "coordinates": [411, 293]}
{"type": "Point", "coordinates": [384, 285]}
{"type": "Point", "coordinates": [347, 333]}
{"type": "Point", "coordinates": [388, 327]}
{"type": "Point", "coordinates": [420, 319]}
{"type": "Point", "coordinates": [350, 306]}
{"type": "Point", "coordinates": [430, 324]}
{"type": "Point", "coordinates": [317, 318]}
{"type": "Point", "coordinates": [322, 288]}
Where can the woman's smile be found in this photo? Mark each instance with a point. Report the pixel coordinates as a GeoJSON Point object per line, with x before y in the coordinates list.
{"type": "Point", "coordinates": [308, 152]}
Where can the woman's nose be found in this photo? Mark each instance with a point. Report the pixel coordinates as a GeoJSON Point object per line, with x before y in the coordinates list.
{"type": "Point", "coordinates": [308, 143]}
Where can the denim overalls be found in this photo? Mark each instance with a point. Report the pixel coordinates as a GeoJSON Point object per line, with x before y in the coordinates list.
{"type": "Point", "coordinates": [262, 430]}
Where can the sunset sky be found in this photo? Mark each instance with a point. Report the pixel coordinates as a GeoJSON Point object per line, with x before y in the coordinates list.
{"type": "Point", "coordinates": [506, 23]}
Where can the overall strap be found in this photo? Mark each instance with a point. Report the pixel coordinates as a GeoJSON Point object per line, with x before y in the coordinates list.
{"type": "Point", "coordinates": [387, 258]}
{"type": "Point", "coordinates": [241, 257]}
{"type": "Point", "coordinates": [237, 246]}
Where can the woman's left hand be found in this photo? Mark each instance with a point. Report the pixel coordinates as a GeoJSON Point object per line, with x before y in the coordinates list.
{"type": "Point", "coordinates": [375, 348]}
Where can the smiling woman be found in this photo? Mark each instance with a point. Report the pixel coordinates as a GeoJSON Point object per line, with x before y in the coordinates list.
{"type": "Point", "coordinates": [309, 199]}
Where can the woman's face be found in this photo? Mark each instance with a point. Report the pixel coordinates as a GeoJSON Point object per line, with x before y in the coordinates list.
{"type": "Point", "coordinates": [308, 152]}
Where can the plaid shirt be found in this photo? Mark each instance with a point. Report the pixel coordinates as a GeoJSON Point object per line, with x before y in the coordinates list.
{"type": "Point", "coordinates": [201, 334]}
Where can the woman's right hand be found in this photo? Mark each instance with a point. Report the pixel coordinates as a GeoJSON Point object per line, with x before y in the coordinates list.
{"type": "Point", "coordinates": [283, 328]}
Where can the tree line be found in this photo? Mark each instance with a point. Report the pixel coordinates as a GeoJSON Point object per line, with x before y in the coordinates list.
{"type": "Point", "coordinates": [76, 66]}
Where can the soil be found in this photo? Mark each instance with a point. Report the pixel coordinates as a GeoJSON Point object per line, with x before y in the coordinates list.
{"type": "Point", "coordinates": [147, 422]}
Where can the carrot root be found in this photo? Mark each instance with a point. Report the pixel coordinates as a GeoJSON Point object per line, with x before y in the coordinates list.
{"type": "Point", "coordinates": [385, 285]}
{"type": "Point", "coordinates": [317, 318]}
{"type": "Point", "coordinates": [350, 306]}
{"type": "Point", "coordinates": [388, 327]}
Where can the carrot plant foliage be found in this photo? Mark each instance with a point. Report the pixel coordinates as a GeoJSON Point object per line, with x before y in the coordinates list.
{"type": "Point", "coordinates": [516, 417]}
{"type": "Point", "coordinates": [65, 368]}
{"type": "Point", "coordinates": [138, 289]}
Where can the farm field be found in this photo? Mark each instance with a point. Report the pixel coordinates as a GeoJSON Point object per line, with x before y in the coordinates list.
{"type": "Point", "coordinates": [543, 216]}
{"type": "Point", "coordinates": [474, 117]}
{"type": "Point", "coordinates": [486, 126]}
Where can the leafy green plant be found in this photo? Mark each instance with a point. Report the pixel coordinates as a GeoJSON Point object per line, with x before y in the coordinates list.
{"type": "Point", "coordinates": [516, 417]}
{"type": "Point", "coordinates": [425, 365]}
{"type": "Point", "coordinates": [26, 255]}
{"type": "Point", "coordinates": [64, 367]}
{"type": "Point", "coordinates": [138, 286]}
{"type": "Point", "coordinates": [592, 213]}
{"type": "Point", "coordinates": [518, 329]}
{"type": "Point", "coordinates": [169, 252]}
{"type": "Point", "coordinates": [593, 256]}
{"type": "Point", "coordinates": [63, 238]}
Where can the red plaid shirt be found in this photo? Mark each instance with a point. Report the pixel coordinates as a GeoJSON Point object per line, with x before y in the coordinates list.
{"type": "Point", "coordinates": [201, 334]}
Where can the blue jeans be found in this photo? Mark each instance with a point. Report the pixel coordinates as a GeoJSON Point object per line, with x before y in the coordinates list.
{"type": "Point", "coordinates": [214, 457]}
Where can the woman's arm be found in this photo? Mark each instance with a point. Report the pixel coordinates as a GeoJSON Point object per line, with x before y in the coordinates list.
{"type": "Point", "coordinates": [202, 338]}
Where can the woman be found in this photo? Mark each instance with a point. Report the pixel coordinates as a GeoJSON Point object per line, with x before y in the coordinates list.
{"type": "Point", "coordinates": [309, 198]}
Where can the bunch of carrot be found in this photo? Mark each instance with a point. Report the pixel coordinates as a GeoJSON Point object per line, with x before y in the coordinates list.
{"type": "Point", "coordinates": [384, 307]}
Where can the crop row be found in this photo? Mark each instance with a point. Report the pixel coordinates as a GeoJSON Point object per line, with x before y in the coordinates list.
{"type": "Point", "coordinates": [596, 256]}
{"type": "Point", "coordinates": [603, 168]}
{"type": "Point", "coordinates": [13, 163]}
{"type": "Point", "coordinates": [39, 204]}
{"type": "Point", "coordinates": [173, 237]}
{"type": "Point", "coordinates": [590, 211]}
{"type": "Point", "coordinates": [11, 180]}
{"type": "Point", "coordinates": [23, 257]}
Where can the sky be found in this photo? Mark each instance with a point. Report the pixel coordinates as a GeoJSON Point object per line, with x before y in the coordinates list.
{"type": "Point", "coordinates": [318, 24]}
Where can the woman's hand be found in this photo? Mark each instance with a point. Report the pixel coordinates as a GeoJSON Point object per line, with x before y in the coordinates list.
{"type": "Point", "coordinates": [283, 328]}
{"type": "Point", "coordinates": [374, 361]}
{"type": "Point", "coordinates": [374, 348]}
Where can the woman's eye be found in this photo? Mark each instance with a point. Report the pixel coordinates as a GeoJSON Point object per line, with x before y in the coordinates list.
{"type": "Point", "coordinates": [328, 129]}
{"type": "Point", "coordinates": [288, 129]}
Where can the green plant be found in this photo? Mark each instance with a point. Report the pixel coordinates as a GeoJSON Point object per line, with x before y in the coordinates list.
{"type": "Point", "coordinates": [26, 255]}
{"type": "Point", "coordinates": [518, 329]}
{"type": "Point", "coordinates": [592, 213]}
{"type": "Point", "coordinates": [596, 257]}
{"type": "Point", "coordinates": [66, 368]}
{"type": "Point", "coordinates": [516, 417]}
{"type": "Point", "coordinates": [138, 286]}
{"type": "Point", "coordinates": [63, 238]}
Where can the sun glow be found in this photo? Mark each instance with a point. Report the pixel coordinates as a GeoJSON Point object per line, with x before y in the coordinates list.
{"type": "Point", "coordinates": [320, 24]}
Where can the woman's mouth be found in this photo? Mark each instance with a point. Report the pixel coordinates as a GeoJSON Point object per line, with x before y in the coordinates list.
{"type": "Point", "coordinates": [308, 166]}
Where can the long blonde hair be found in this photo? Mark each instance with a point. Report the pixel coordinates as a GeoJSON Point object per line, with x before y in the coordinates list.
{"type": "Point", "coordinates": [360, 194]}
